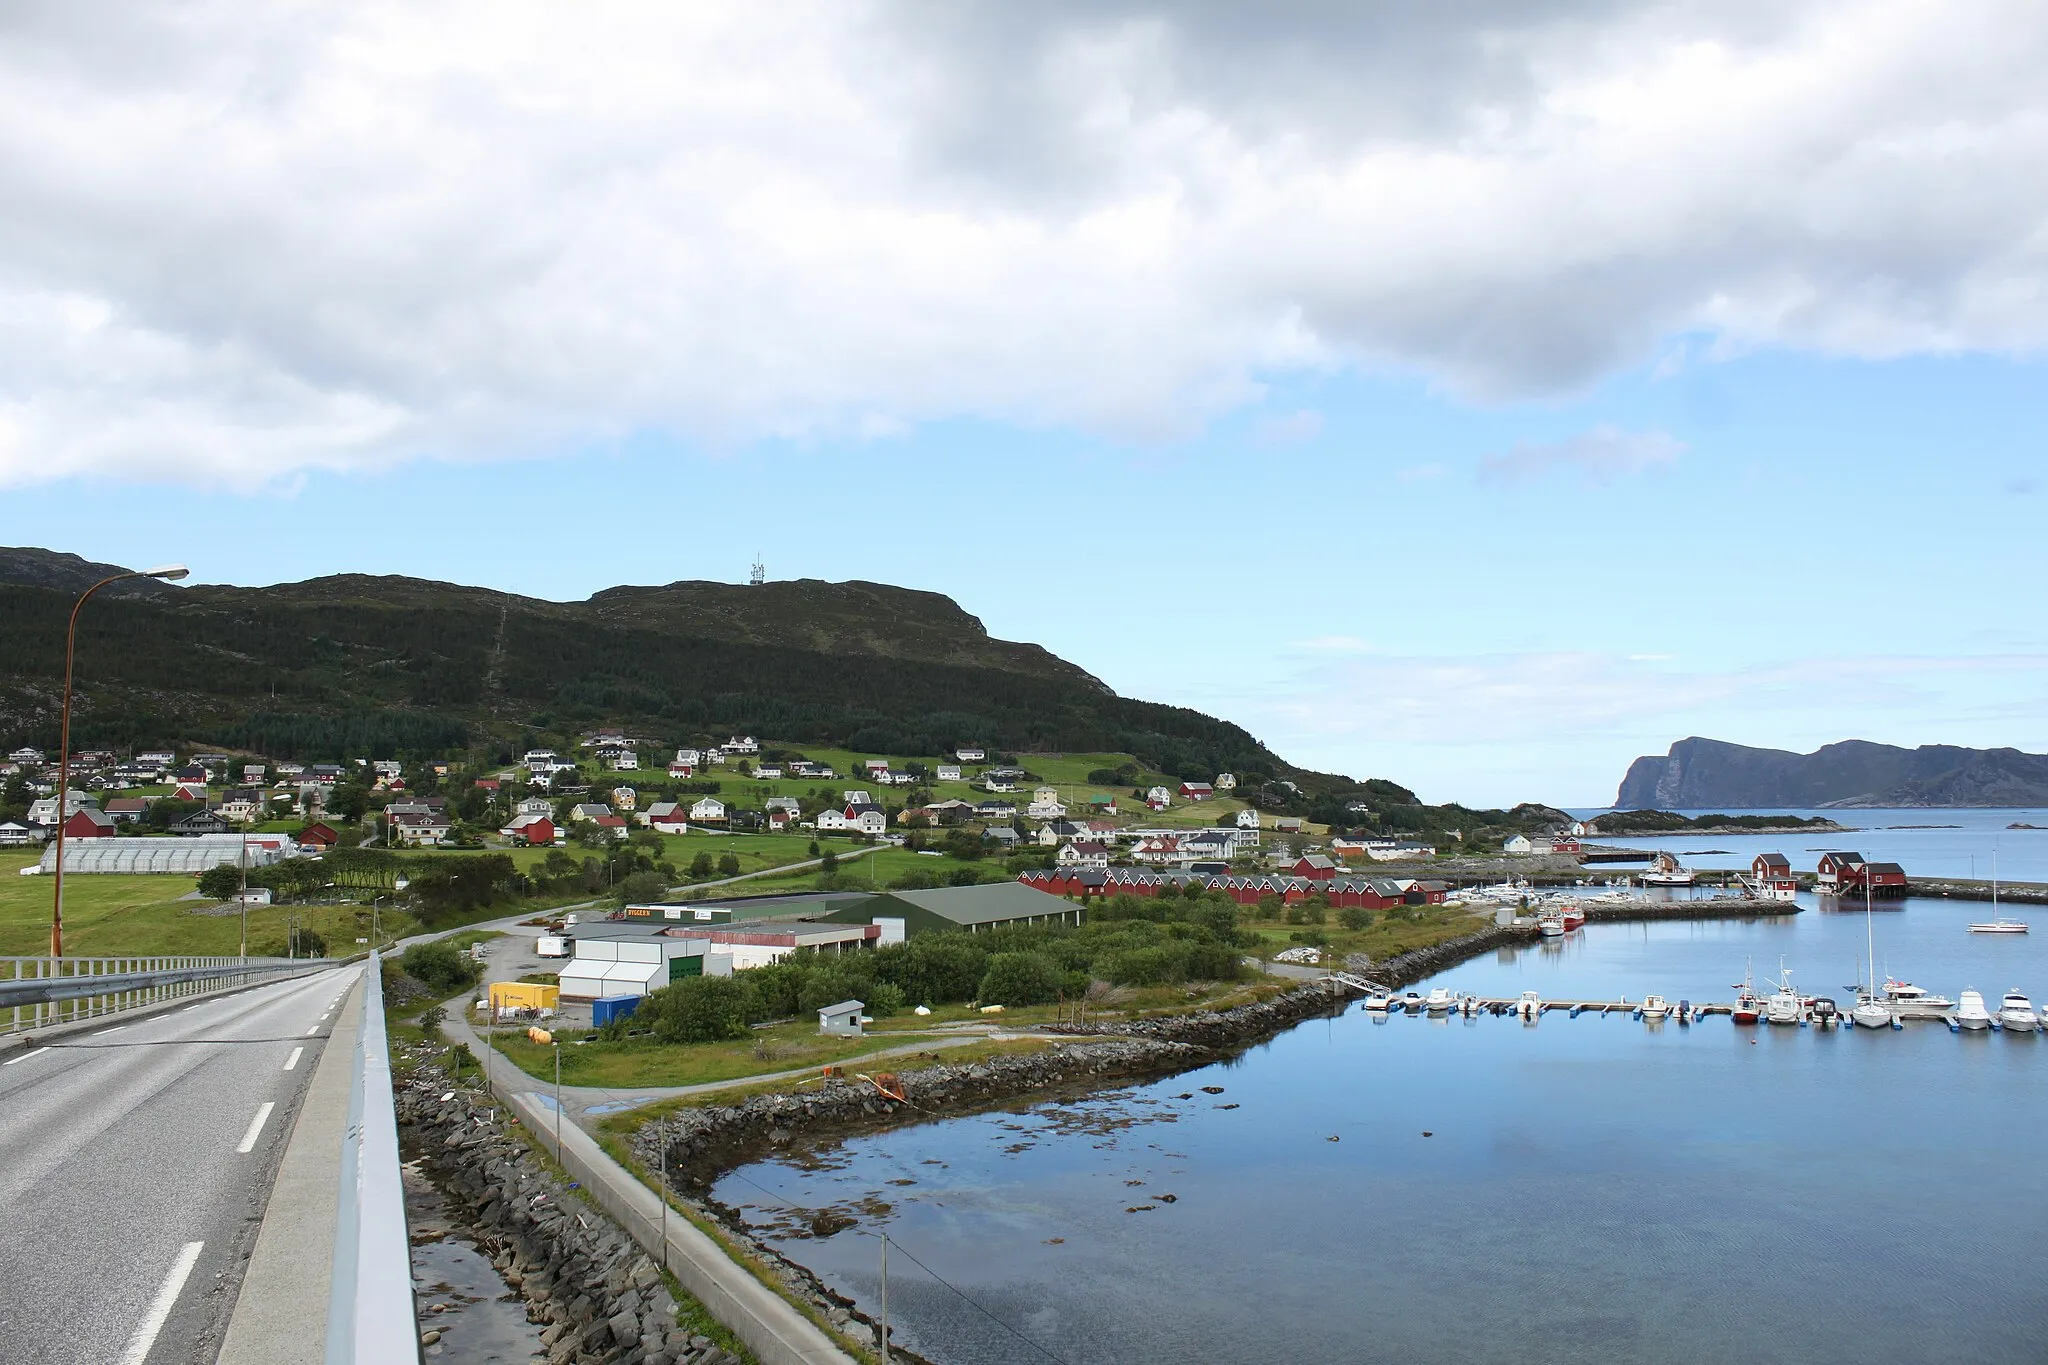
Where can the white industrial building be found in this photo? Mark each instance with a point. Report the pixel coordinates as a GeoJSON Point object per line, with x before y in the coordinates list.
{"type": "Point", "coordinates": [606, 967]}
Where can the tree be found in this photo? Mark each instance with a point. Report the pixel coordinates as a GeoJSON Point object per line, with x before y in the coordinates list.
{"type": "Point", "coordinates": [1020, 979]}
{"type": "Point", "coordinates": [442, 965]}
{"type": "Point", "coordinates": [828, 863]}
{"type": "Point", "coordinates": [814, 848]}
{"type": "Point", "coordinates": [696, 1009]}
{"type": "Point", "coordinates": [221, 882]}
{"type": "Point", "coordinates": [729, 865]}
{"type": "Point", "coordinates": [641, 888]}
{"type": "Point", "coordinates": [350, 801]}
{"type": "Point", "coordinates": [1354, 917]}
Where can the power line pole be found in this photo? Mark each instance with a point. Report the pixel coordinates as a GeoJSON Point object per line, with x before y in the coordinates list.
{"type": "Point", "coordinates": [883, 1330]}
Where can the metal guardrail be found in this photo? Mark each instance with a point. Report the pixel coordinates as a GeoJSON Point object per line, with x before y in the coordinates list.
{"type": "Point", "coordinates": [41, 991]}
{"type": "Point", "coordinates": [371, 1316]}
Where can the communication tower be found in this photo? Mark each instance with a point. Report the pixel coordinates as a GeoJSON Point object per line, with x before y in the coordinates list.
{"type": "Point", "coordinates": [757, 575]}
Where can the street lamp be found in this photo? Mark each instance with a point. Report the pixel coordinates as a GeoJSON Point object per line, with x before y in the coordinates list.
{"type": "Point", "coordinates": [169, 573]}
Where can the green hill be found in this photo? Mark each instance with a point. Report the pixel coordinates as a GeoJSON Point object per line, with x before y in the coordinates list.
{"type": "Point", "coordinates": [334, 667]}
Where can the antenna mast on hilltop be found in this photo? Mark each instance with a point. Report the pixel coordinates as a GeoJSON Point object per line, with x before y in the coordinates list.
{"type": "Point", "coordinates": [757, 575]}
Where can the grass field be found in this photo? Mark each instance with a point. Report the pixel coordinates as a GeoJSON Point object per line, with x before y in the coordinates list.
{"type": "Point", "coordinates": [1385, 937]}
{"type": "Point", "coordinates": [107, 915]}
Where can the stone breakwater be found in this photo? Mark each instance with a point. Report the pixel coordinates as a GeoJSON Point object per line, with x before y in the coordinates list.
{"type": "Point", "coordinates": [1713, 907]}
{"type": "Point", "coordinates": [602, 1297]}
{"type": "Point", "coordinates": [700, 1144]}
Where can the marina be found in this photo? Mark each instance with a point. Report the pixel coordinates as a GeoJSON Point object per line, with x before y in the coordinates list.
{"type": "Point", "coordinates": [1646, 1146]}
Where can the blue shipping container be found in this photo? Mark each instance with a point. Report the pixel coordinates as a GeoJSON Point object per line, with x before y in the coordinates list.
{"type": "Point", "coordinates": [612, 1007]}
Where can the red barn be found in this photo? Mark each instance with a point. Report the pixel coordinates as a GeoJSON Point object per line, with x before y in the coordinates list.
{"type": "Point", "coordinates": [536, 833]}
{"type": "Point", "coordinates": [1315, 867]}
{"type": "Point", "coordinates": [89, 823]}
{"type": "Point", "coordinates": [318, 836]}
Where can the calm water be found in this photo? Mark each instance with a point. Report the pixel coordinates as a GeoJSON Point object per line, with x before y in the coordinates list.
{"type": "Point", "coordinates": [1589, 1190]}
{"type": "Point", "coordinates": [1927, 843]}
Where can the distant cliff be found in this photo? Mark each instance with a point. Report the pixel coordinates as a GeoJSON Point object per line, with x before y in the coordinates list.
{"type": "Point", "coordinates": [1713, 775]}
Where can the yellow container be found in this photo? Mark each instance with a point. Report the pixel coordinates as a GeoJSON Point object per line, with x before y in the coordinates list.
{"type": "Point", "coordinates": [524, 995]}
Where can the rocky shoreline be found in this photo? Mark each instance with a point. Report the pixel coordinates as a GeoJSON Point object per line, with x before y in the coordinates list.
{"type": "Point", "coordinates": [602, 1297]}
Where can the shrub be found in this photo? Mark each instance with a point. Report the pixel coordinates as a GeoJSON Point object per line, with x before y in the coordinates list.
{"type": "Point", "coordinates": [697, 1009]}
{"type": "Point", "coordinates": [884, 1000]}
{"type": "Point", "coordinates": [1020, 979]}
{"type": "Point", "coordinates": [642, 887]}
{"type": "Point", "coordinates": [216, 883]}
{"type": "Point", "coordinates": [1354, 917]}
{"type": "Point", "coordinates": [442, 965]}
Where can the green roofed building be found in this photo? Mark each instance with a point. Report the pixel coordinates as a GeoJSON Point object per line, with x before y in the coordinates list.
{"type": "Point", "coordinates": [972, 908]}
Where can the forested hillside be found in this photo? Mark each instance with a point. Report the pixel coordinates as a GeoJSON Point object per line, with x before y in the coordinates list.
{"type": "Point", "coordinates": [335, 666]}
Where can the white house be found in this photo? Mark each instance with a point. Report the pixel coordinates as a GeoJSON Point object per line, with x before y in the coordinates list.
{"type": "Point", "coordinates": [44, 811]}
{"type": "Point", "coordinates": [1158, 798]}
{"type": "Point", "coordinates": [1248, 818]}
{"type": "Point", "coordinates": [625, 761]}
{"type": "Point", "coordinates": [1046, 810]}
{"type": "Point", "coordinates": [949, 772]}
{"type": "Point", "coordinates": [1082, 855]}
{"type": "Point", "coordinates": [743, 744]}
{"type": "Point", "coordinates": [1516, 843]}
{"type": "Point", "coordinates": [831, 820]}
{"type": "Point", "coordinates": [689, 758]}
{"type": "Point", "coordinates": [869, 819]}
{"type": "Point", "coordinates": [534, 805]}
{"type": "Point", "coordinates": [1226, 782]}
{"type": "Point", "coordinates": [788, 803]}
{"type": "Point", "coordinates": [857, 796]}
{"type": "Point", "coordinates": [421, 831]}
{"type": "Point", "coordinates": [768, 773]}
{"type": "Point", "coordinates": [588, 810]}
{"type": "Point", "coordinates": [998, 782]}
{"type": "Point", "coordinates": [970, 755]}
{"type": "Point", "coordinates": [708, 810]}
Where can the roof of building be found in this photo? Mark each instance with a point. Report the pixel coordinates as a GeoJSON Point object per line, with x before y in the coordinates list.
{"type": "Point", "coordinates": [988, 903]}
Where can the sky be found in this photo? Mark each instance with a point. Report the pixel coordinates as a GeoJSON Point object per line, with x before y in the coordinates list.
{"type": "Point", "coordinates": [1478, 395]}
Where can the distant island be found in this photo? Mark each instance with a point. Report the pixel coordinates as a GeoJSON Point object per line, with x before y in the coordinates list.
{"type": "Point", "coordinates": [1637, 822]}
{"type": "Point", "coordinates": [1713, 774]}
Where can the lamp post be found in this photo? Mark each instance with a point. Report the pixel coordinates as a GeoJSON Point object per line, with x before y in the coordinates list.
{"type": "Point", "coordinates": [169, 573]}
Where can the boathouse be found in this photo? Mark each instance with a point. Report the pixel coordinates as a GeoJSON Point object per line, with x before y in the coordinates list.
{"type": "Point", "coordinates": [1772, 874]}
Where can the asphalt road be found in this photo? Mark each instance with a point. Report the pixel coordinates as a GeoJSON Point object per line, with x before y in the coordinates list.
{"type": "Point", "coordinates": [137, 1170]}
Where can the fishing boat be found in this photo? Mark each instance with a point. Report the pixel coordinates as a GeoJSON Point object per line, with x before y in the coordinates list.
{"type": "Point", "coordinates": [1653, 1007]}
{"type": "Point", "coordinates": [2017, 1012]}
{"type": "Point", "coordinates": [1784, 1005]}
{"type": "Point", "coordinates": [2000, 926]}
{"type": "Point", "coordinates": [1971, 1014]}
{"type": "Point", "coordinates": [1550, 926]}
{"type": "Point", "coordinates": [1439, 1000]}
{"type": "Point", "coordinates": [1749, 1006]}
{"type": "Point", "coordinates": [1573, 917]}
{"type": "Point", "coordinates": [1665, 871]}
{"type": "Point", "coordinates": [1530, 1006]}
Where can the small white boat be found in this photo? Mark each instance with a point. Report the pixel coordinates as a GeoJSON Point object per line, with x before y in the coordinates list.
{"type": "Point", "coordinates": [2000, 926]}
{"type": "Point", "coordinates": [1550, 926]}
{"type": "Point", "coordinates": [1971, 1013]}
{"type": "Point", "coordinates": [1870, 1012]}
{"type": "Point", "coordinates": [1653, 1007]}
{"type": "Point", "coordinates": [1784, 1005]}
{"type": "Point", "coordinates": [2017, 1012]}
{"type": "Point", "coordinates": [1378, 1003]}
{"type": "Point", "coordinates": [1530, 1006]}
{"type": "Point", "coordinates": [1439, 1000]}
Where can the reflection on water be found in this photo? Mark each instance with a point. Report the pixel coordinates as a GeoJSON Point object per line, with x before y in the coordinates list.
{"type": "Point", "coordinates": [480, 1319]}
{"type": "Point", "coordinates": [1587, 1190]}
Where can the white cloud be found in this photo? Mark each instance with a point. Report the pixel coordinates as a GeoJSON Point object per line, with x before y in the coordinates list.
{"type": "Point", "coordinates": [239, 240]}
{"type": "Point", "coordinates": [1601, 455]}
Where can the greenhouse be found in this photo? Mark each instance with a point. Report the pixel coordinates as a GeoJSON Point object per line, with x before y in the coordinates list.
{"type": "Point", "coordinates": [189, 856]}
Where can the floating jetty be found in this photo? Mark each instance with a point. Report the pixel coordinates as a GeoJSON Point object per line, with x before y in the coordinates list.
{"type": "Point", "coordinates": [1655, 1008]}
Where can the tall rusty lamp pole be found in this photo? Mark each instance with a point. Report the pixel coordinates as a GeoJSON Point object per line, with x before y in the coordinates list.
{"type": "Point", "coordinates": [169, 573]}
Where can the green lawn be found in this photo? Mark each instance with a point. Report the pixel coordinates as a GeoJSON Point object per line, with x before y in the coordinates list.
{"type": "Point", "coordinates": [108, 915]}
{"type": "Point", "coordinates": [642, 1062]}
{"type": "Point", "coordinates": [1387, 935]}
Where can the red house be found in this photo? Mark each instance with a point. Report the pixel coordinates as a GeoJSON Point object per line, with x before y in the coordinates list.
{"type": "Point", "coordinates": [89, 823]}
{"type": "Point", "coordinates": [489, 784]}
{"type": "Point", "coordinates": [1196, 791]}
{"type": "Point", "coordinates": [535, 833]}
{"type": "Point", "coordinates": [318, 836]}
{"type": "Point", "coordinates": [1839, 872]}
{"type": "Point", "coordinates": [1315, 867]}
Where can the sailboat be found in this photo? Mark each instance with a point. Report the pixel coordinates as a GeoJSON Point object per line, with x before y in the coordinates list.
{"type": "Point", "coordinates": [1870, 1010]}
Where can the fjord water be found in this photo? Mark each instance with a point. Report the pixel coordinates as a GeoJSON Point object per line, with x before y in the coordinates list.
{"type": "Point", "coordinates": [1927, 842]}
{"type": "Point", "coordinates": [1588, 1190]}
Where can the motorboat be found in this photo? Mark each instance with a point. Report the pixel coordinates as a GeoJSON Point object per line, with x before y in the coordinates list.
{"type": "Point", "coordinates": [1530, 1006]}
{"type": "Point", "coordinates": [1748, 1008]}
{"type": "Point", "coordinates": [1550, 926]}
{"type": "Point", "coordinates": [1824, 1012]}
{"type": "Point", "coordinates": [1653, 1007]}
{"type": "Point", "coordinates": [1897, 992]}
{"type": "Point", "coordinates": [1573, 917]}
{"type": "Point", "coordinates": [1439, 1000]}
{"type": "Point", "coordinates": [2000, 926]}
{"type": "Point", "coordinates": [1410, 1002]}
{"type": "Point", "coordinates": [1784, 1005]}
{"type": "Point", "coordinates": [2017, 1012]}
{"type": "Point", "coordinates": [1378, 1002]}
{"type": "Point", "coordinates": [1971, 1013]}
